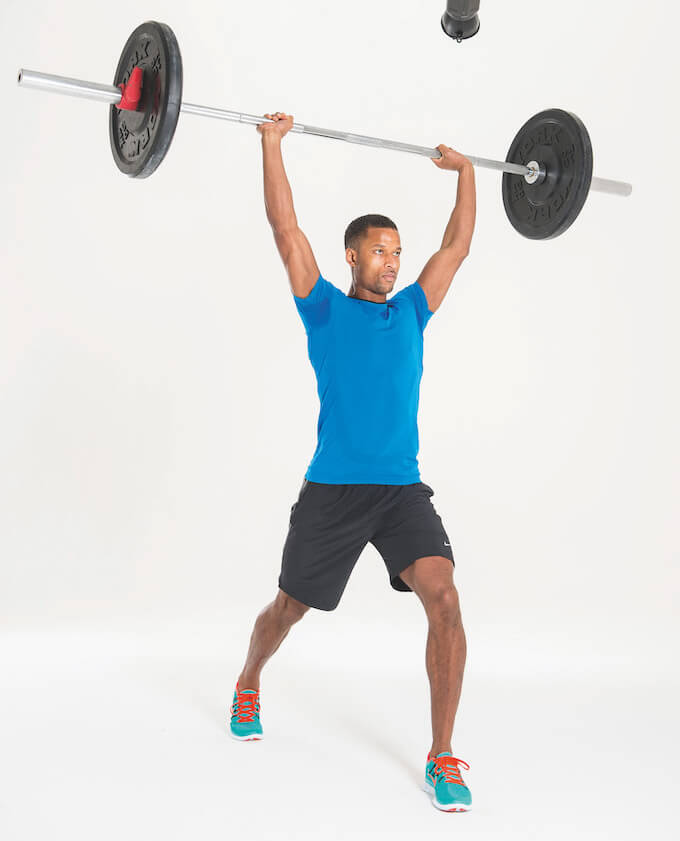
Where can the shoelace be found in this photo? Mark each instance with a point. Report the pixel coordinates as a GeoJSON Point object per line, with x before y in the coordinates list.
{"type": "Point", "coordinates": [245, 707]}
{"type": "Point", "coordinates": [448, 766]}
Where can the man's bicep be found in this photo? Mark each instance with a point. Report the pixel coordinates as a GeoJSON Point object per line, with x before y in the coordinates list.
{"type": "Point", "coordinates": [299, 260]}
{"type": "Point", "coordinates": [438, 273]}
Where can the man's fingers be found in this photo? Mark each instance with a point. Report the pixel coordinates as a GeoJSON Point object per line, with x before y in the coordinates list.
{"type": "Point", "coordinates": [276, 117]}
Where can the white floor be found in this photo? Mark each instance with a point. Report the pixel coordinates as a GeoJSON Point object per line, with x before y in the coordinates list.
{"type": "Point", "coordinates": [106, 737]}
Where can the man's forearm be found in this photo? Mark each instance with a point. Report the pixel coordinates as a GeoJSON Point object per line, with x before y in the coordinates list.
{"type": "Point", "coordinates": [278, 197]}
{"type": "Point", "coordinates": [458, 233]}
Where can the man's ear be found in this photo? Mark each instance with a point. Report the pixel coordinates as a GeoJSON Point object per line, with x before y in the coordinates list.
{"type": "Point", "coordinates": [351, 256]}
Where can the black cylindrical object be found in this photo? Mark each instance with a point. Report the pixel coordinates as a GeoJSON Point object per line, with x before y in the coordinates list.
{"type": "Point", "coordinates": [460, 20]}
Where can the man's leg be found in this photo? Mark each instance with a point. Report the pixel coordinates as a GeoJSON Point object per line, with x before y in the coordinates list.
{"type": "Point", "coordinates": [431, 579]}
{"type": "Point", "coordinates": [271, 628]}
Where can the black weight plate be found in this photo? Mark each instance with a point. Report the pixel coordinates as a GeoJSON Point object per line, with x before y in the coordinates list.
{"type": "Point", "coordinates": [559, 142]}
{"type": "Point", "coordinates": [141, 138]}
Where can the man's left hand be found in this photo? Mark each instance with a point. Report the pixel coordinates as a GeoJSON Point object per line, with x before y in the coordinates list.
{"type": "Point", "coordinates": [450, 159]}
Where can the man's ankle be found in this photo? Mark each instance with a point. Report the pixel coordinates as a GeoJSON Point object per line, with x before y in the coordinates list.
{"type": "Point", "coordinates": [244, 682]}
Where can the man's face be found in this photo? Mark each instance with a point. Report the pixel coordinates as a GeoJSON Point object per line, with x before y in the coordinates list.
{"type": "Point", "coordinates": [376, 262]}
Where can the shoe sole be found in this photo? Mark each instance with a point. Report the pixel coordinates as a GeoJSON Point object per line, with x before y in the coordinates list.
{"type": "Point", "coordinates": [429, 789]}
{"type": "Point", "coordinates": [255, 737]}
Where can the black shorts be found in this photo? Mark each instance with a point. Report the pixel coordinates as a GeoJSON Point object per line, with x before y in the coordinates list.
{"type": "Point", "coordinates": [330, 526]}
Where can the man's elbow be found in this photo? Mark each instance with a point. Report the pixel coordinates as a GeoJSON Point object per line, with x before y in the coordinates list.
{"type": "Point", "coordinates": [458, 250]}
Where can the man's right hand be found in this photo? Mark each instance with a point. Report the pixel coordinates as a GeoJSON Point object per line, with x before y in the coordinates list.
{"type": "Point", "coordinates": [282, 124]}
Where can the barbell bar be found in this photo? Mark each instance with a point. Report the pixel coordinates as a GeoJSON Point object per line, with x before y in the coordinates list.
{"type": "Point", "coordinates": [112, 95]}
{"type": "Point", "coordinates": [556, 170]}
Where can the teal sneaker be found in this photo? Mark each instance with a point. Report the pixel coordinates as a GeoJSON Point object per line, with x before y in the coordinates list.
{"type": "Point", "coordinates": [444, 782]}
{"type": "Point", "coordinates": [245, 715]}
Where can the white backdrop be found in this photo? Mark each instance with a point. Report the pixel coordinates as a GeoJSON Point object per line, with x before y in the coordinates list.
{"type": "Point", "coordinates": [158, 409]}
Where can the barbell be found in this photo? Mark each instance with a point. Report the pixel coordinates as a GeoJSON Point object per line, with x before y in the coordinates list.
{"type": "Point", "coordinates": [547, 173]}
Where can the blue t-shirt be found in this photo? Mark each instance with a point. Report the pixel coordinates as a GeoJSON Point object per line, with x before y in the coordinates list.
{"type": "Point", "coordinates": [368, 361]}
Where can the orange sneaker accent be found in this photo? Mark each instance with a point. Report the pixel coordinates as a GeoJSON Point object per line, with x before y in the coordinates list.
{"type": "Point", "coordinates": [246, 706]}
{"type": "Point", "coordinates": [449, 766]}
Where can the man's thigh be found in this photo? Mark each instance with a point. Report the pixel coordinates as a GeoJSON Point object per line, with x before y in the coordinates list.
{"type": "Point", "coordinates": [429, 576]}
{"type": "Point", "coordinates": [411, 530]}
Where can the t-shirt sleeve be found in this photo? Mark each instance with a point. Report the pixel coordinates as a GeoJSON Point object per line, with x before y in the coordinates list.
{"type": "Point", "coordinates": [416, 293]}
{"type": "Point", "coordinates": [316, 307]}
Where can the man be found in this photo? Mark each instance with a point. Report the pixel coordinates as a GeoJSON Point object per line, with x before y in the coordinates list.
{"type": "Point", "coordinates": [363, 483]}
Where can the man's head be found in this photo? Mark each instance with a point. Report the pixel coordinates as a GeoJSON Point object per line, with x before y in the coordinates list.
{"type": "Point", "coordinates": [372, 250]}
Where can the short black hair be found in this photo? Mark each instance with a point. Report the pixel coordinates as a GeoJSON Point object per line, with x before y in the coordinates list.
{"type": "Point", "coordinates": [357, 228]}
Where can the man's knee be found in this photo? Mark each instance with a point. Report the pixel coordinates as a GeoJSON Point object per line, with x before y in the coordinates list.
{"type": "Point", "coordinates": [442, 602]}
{"type": "Point", "coordinates": [291, 609]}
{"type": "Point", "coordinates": [439, 597]}
{"type": "Point", "coordinates": [431, 578]}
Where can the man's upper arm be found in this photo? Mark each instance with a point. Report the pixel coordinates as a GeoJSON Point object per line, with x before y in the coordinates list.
{"type": "Point", "coordinates": [438, 273]}
{"type": "Point", "coordinates": [299, 260]}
